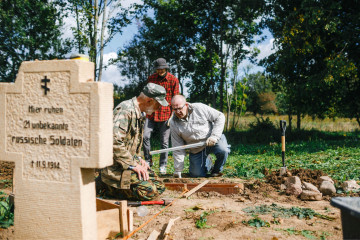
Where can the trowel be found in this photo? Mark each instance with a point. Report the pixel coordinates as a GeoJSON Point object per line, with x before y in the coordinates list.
{"type": "Point", "coordinates": [283, 129]}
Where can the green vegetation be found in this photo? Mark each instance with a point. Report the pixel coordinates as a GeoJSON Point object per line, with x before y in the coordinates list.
{"type": "Point", "coordinates": [6, 183]}
{"type": "Point", "coordinates": [338, 158]}
{"type": "Point", "coordinates": [336, 154]}
{"type": "Point", "coordinates": [258, 147]}
{"type": "Point", "coordinates": [202, 221]}
{"type": "Point", "coordinates": [306, 233]}
{"type": "Point", "coordinates": [6, 211]}
{"type": "Point", "coordinates": [277, 211]}
{"type": "Point", "coordinates": [256, 222]}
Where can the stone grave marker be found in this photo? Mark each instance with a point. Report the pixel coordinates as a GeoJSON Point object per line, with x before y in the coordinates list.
{"type": "Point", "coordinates": [56, 125]}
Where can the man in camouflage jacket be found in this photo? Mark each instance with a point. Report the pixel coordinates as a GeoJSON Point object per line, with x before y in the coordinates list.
{"type": "Point", "coordinates": [130, 176]}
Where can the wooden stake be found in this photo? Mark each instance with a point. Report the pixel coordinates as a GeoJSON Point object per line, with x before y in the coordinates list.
{"type": "Point", "coordinates": [123, 217]}
{"type": "Point", "coordinates": [168, 228]}
{"type": "Point", "coordinates": [130, 218]}
{"type": "Point", "coordinates": [186, 195]}
{"type": "Point", "coordinates": [154, 235]}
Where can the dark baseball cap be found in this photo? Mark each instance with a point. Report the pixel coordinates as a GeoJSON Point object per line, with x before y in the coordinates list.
{"type": "Point", "coordinates": [156, 92]}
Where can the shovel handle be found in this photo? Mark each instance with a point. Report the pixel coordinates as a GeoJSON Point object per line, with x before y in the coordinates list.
{"type": "Point", "coordinates": [140, 203]}
{"type": "Point", "coordinates": [283, 129]}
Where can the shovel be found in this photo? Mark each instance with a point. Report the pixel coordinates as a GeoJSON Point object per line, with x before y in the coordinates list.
{"type": "Point", "coordinates": [283, 129]}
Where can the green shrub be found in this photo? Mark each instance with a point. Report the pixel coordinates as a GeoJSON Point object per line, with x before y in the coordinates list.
{"type": "Point", "coordinates": [6, 211]}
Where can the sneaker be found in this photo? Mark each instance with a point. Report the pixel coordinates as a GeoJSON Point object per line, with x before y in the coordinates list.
{"type": "Point", "coordinates": [219, 174]}
{"type": "Point", "coordinates": [149, 162]}
{"type": "Point", "coordinates": [177, 175]}
{"type": "Point", "coordinates": [162, 170]}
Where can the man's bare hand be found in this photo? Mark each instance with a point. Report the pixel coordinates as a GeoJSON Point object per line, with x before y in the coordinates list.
{"type": "Point", "coordinates": [142, 171]}
{"type": "Point", "coordinates": [211, 141]}
{"type": "Point", "coordinates": [144, 163]}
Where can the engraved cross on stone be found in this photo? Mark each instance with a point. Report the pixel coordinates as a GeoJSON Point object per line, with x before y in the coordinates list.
{"type": "Point", "coordinates": [56, 143]}
{"type": "Point", "coordinates": [46, 89]}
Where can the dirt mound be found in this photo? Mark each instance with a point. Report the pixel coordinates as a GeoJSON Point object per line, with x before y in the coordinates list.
{"type": "Point", "coordinates": [168, 178]}
{"type": "Point", "coordinates": [6, 170]}
{"type": "Point", "coordinates": [306, 175]}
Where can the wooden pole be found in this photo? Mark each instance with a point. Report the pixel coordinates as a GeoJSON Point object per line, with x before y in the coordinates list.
{"type": "Point", "coordinates": [123, 217]}
{"type": "Point", "coordinates": [168, 228]}
{"type": "Point", "coordinates": [130, 218]}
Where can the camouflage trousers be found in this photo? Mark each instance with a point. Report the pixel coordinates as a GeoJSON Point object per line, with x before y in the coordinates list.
{"type": "Point", "coordinates": [139, 190]}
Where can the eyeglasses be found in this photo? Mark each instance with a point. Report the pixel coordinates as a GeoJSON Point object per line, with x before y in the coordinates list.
{"type": "Point", "coordinates": [178, 109]}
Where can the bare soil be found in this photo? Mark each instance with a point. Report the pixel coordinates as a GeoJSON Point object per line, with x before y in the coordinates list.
{"type": "Point", "coordinates": [225, 217]}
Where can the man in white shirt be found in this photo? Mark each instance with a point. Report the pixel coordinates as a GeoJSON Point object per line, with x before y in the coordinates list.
{"type": "Point", "coordinates": [195, 123]}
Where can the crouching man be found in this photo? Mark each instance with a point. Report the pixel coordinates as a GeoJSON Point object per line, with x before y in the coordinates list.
{"type": "Point", "coordinates": [195, 123]}
{"type": "Point", "coordinates": [130, 176]}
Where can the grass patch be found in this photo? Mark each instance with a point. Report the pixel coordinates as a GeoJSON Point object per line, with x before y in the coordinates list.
{"type": "Point", "coordinates": [338, 156]}
{"type": "Point", "coordinates": [335, 153]}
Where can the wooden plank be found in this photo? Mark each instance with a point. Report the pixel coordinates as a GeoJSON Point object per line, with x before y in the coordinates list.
{"type": "Point", "coordinates": [186, 195]}
{"type": "Point", "coordinates": [104, 205]}
{"type": "Point", "coordinates": [168, 228]}
{"type": "Point", "coordinates": [154, 235]}
{"type": "Point", "coordinates": [123, 217]}
{"type": "Point", "coordinates": [130, 218]}
{"type": "Point", "coordinates": [107, 223]}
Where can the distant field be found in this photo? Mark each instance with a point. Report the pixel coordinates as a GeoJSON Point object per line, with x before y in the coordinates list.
{"type": "Point", "coordinates": [307, 123]}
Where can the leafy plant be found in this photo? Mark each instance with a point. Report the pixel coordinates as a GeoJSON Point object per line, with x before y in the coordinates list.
{"type": "Point", "coordinates": [306, 233]}
{"type": "Point", "coordinates": [257, 222]}
{"type": "Point", "coordinates": [301, 213]}
{"type": "Point", "coordinates": [194, 208]}
{"type": "Point", "coordinates": [6, 212]}
{"type": "Point", "coordinates": [201, 222]}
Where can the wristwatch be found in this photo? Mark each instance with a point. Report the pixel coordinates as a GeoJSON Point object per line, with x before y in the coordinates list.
{"type": "Point", "coordinates": [131, 167]}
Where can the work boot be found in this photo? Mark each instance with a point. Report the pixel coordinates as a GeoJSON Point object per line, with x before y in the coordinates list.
{"type": "Point", "coordinates": [219, 174]}
{"type": "Point", "coordinates": [162, 170]}
{"type": "Point", "coordinates": [177, 175]}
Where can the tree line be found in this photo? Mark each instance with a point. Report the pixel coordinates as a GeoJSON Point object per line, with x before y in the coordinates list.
{"type": "Point", "coordinates": [313, 70]}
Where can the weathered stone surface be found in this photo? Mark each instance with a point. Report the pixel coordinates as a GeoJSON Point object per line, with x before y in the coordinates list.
{"type": "Point", "coordinates": [310, 187]}
{"type": "Point", "coordinates": [325, 178]}
{"type": "Point", "coordinates": [294, 189]}
{"type": "Point", "coordinates": [327, 188]}
{"type": "Point", "coordinates": [350, 185]}
{"type": "Point", "coordinates": [293, 185]}
{"type": "Point", "coordinates": [311, 195]}
{"type": "Point", "coordinates": [293, 180]}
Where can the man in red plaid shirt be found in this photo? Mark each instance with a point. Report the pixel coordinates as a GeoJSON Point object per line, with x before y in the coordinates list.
{"type": "Point", "coordinates": [159, 119]}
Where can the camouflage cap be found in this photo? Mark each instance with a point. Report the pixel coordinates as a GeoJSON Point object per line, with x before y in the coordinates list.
{"type": "Point", "coordinates": [156, 92]}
